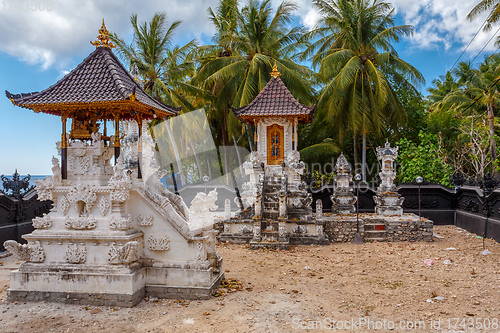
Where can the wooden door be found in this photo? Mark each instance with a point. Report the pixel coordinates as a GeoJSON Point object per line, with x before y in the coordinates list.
{"type": "Point", "coordinates": [275, 146]}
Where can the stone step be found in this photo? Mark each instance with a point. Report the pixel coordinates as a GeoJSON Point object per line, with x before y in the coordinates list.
{"type": "Point", "coordinates": [375, 239]}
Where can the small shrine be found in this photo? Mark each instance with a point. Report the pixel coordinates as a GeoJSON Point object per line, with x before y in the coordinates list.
{"type": "Point", "coordinates": [111, 237]}
{"type": "Point", "coordinates": [387, 200]}
{"type": "Point", "coordinates": [275, 206]}
{"type": "Point", "coordinates": [342, 198]}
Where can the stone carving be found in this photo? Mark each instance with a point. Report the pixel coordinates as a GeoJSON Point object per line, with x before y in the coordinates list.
{"type": "Point", "coordinates": [76, 254]}
{"type": "Point", "coordinates": [227, 209]}
{"type": "Point", "coordinates": [319, 209]}
{"type": "Point", "coordinates": [226, 228]}
{"type": "Point", "coordinates": [387, 156]}
{"type": "Point", "coordinates": [201, 251]}
{"type": "Point", "coordinates": [245, 229]}
{"type": "Point", "coordinates": [123, 254]}
{"type": "Point", "coordinates": [120, 184]}
{"type": "Point", "coordinates": [32, 253]}
{"type": "Point", "coordinates": [281, 230]}
{"type": "Point", "coordinates": [120, 223]}
{"type": "Point", "coordinates": [56, 171]}
{"type": "Point", "coordinates": [81, 222]}
{"type": "Point", "coordinates": [104, 205]}
{"type": "Point", "coordinates": [64, 204]}
{"type": "Point", "coordinates": [36, 252]}
{"type": "Point", "coordinates": [44, 188]}
{"type": "Point", "coordinates": [387, 200]}
{"type": "Point", "coordinates": [85, 194]}
{"type": "Point", "coordinates": [79, 165]}
{"type": "Point", "coordinates": [145, 221]}
{"type": "Point", "coordinates": [343, 199]}
{"type": "Point", "coordinates": [201, 206]}
{"type": "Point", "coordinates": [44, 222]}
{"type": "Point", "coordinates": [470, 205]}
{"type": "Point", "coordinates": [301, 229]}
{"type": "Point", "coordinates": [159, 243]}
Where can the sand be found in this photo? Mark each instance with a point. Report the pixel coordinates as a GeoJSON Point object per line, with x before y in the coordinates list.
{"type": "Point", "coordinates": [374, 287]}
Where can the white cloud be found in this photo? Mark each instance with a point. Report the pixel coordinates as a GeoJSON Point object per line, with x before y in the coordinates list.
{"type": "Point", "coordinates": [55, 37]}
{"type": "Point", "coordinates": [440, 23]}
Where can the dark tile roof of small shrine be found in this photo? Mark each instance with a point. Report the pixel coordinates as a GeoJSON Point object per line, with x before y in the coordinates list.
{"type": "Point", "coordinates": [274, 100]}
{"type": "Point", "coordinates": [100, 78]}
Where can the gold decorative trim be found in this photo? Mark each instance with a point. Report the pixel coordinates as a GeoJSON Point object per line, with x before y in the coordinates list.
{"type": "Point", "coordinates": [103, 38]}
{"type": "Point", "coordinates": [275, 73]}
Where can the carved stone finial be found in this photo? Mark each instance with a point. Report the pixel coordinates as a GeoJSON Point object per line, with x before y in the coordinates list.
{"type": "Point", "coordinates": [103, 38]}
{"type": "Point", "coordinates": [275, 73]}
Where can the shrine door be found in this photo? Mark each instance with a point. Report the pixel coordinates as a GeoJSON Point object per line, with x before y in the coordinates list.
{"type": "Point", "coordinates": [275, 146]}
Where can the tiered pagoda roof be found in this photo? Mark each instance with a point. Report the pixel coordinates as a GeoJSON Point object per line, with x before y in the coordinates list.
{"type": "Point", "coordinates": [99, 84]}
{"type": "Point", "coordinates": [275, 100]}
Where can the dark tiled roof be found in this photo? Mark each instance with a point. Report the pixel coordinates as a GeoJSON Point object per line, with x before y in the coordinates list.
{"type": "Point", "coordinates": [274, 100]}
{"type": "Point", "coordinates": [100, 78]}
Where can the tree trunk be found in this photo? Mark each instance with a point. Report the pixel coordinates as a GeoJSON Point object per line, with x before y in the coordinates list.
{"type": "Point", "coordinates": [176, 153]}
{"type": "Point", "coordinates": [198, 163]}
{"type": "Point", "coordinates": [355, 149]}
{"type": "Point", "coordinates": [491, 120]}
{"type": "Point", "coordinates": [363, 159]}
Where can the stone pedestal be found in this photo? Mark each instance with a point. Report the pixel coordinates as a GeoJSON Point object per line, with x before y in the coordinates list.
{"type": "Point", "coordinates": [109, 239]}
{"type": "Point", "coordinates": [388, 203]}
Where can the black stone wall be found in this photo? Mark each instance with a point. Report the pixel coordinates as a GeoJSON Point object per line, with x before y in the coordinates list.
{"type": "Point", "coordinates": [16, 214]}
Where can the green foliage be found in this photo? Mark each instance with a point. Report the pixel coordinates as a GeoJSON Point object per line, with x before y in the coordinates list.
{"type": "Point", "coordinates": [422, 160]}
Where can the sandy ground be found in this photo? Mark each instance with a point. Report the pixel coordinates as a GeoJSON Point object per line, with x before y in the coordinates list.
{"type": "Point", "coordinates": [375, 287]}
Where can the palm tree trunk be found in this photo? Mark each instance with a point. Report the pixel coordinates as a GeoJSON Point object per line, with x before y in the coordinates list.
{"type": "Point", "coordinates": [363, 159]}
{"type": "Point", "coordinates": [355, 149]}
{"type": "Point", "coordinates": [197, 158]}
{"type": "Point", "coordinates": [491, 120]}
{"type": "Point", "coordinates": [176, 153]}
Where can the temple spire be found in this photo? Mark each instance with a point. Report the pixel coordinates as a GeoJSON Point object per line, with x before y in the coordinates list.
{"type": "Point", "coordinates": [275, 73]}
{"type": "Point", "coordinates": [103, 38]}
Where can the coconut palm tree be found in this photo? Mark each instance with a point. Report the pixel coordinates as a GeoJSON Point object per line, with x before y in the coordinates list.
{"type": "Point", "coordinates": [249, 43]}
{"type": "Point", "coordinates": [357, 64]}
{"type": "Point", "coordinates": [479, 93]}
{"type": "Point", "coordinates": [486, 5]}
{"type": "Point", "coordinates": [165, 68]}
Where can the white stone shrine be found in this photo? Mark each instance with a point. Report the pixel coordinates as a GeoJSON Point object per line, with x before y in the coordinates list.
{"type": "Point", "coordinates": [111, 237]}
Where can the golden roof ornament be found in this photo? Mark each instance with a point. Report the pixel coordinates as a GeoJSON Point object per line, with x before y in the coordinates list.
{"type": "Point", "coordinates": [103, 38]}
{"type": "Point", "coordinates": [275, 73]}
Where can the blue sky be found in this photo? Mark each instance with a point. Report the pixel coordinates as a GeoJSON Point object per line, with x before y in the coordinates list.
{"type": "Point", "coordinates": [39, 45]}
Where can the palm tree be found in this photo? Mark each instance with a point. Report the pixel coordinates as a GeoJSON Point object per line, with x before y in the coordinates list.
{"type": "Point", "coordinates": [357, 62]}
{"type": "Point", "coordinates": [486, 5]}
{"type": "Point", "coordinates": [165, 69]}
{"type": "Point", "coordinates": [479, 93]}
{"type": "Point", "coordinates": [249, 42]}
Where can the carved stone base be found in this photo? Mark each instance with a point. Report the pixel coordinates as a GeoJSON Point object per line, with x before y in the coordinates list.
{"type": "Point", "coordinates": [117, 286]}
{"type": "Point", "coordinates": [185, 292]}
{"type": "Point", "coordinates": [388, 203]}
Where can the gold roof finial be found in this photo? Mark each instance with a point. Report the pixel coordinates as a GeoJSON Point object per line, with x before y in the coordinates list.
{"type": "Point", "coordinates": [275, 72]}
{"type": "Point", "coordinates": [103, 38]}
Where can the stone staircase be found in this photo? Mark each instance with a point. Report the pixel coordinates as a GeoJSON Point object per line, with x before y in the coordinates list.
{"type": "Point", "coordinates": [270, 198]}
{"type": "Point", "coordinates": [374, 231]}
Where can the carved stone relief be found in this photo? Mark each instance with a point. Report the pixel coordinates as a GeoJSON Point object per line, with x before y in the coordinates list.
{"type": "Point", "coordinates": [159, 243]}
{"type": "Point", "coordinates": [104, 205]}
{"type": "Point", "coordinates": [44, 222]}
{"type": "Point", "coordinates": [76, 253]}
{"type": "Point", "coordinates": [145, 221]}
{"type": "Point", "coordinates": [120, 223]}
{"type": "Point", "coordinates": [123, 254]}
{"type": "Point", "coordinates": [81, 223]}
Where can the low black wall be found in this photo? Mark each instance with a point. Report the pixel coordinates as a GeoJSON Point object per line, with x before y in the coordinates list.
{"type": "Point", "coordinates": [467, 207]}
{"type": "Point", "coordinates": [16, 214]}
